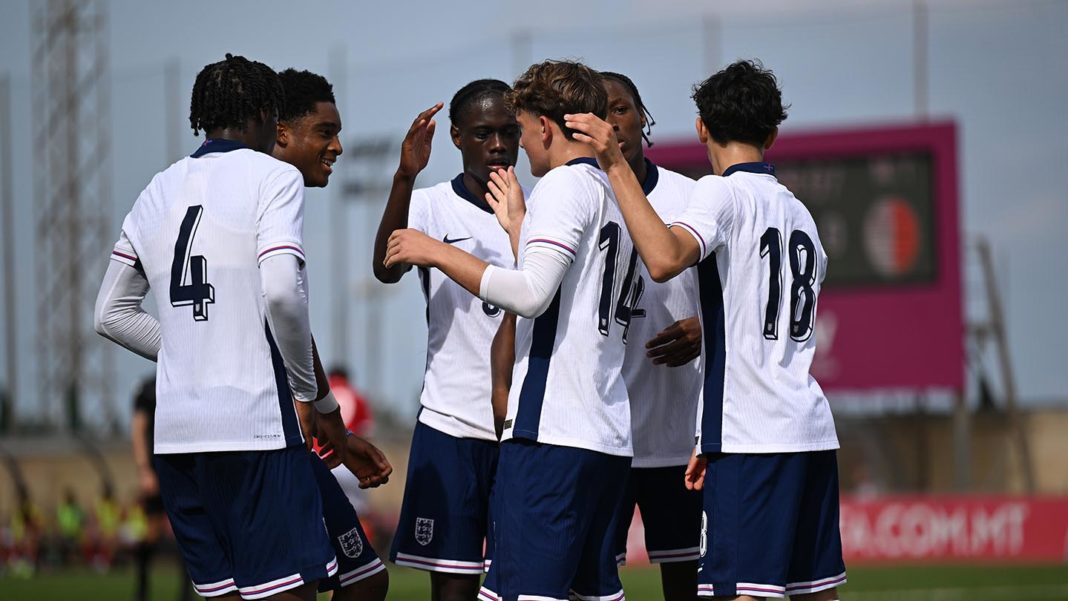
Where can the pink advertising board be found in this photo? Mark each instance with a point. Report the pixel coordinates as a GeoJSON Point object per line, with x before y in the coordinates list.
{"type": "Point", "coordinates": [885, 201]}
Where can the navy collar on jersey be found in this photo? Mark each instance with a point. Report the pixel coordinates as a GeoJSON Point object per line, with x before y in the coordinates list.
{"type": "Point", "coordinates": [217, 145]}
{"type": "Point", "coordinates": [761, 168]}
{"type": "Point", "coordinates": [461, 190]}
{"type": "Point", "coordinates": [652, 176]}
{"type": "Point", "coordinates": [586, 160]}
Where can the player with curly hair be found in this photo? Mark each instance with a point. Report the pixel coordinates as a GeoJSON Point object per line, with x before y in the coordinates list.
{"type": "Point", "coordinates": [767, 453]}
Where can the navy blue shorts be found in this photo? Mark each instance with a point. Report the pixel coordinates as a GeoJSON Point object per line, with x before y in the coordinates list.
{"type": "Point", "coordinates": [356, 560]}
{"type": "Point", "coordinates": [249, 521]}
{"type": "Point", "coordinates": [445, 513]}
{"type": "Point", "coordinates": [771, 525]}
{"type": "Point", "coordinates": [555, 519]}
{"type": "Point", "coordinates": [671, 514]}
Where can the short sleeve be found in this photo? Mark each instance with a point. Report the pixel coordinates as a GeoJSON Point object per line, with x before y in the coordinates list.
{"type": "Point", "coordinates": [123, 251]}
{"type": "Point", "coordinates": [709, 214]}
{"type": "Point", "coordinates": [280, 224]}
{"type": "Point", "coordinates": [419, 211]}
{"type": "Point", "coordinates": [559, 210]}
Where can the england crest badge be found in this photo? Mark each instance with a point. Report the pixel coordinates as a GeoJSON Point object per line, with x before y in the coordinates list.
{"type": "Point", "coordinates": [351, 544]}
{"type": "Point", "coordinates": [424, 531]}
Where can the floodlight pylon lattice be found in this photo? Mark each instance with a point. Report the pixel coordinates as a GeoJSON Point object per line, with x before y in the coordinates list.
{"type": "Point", "coordinates": [72, 207]}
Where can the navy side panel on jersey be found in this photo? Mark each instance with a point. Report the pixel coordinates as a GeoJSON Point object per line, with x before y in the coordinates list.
{"type": "Point", "coordinates": [715, 329]}
{"type": "Point", "coordinates": [541, 353]}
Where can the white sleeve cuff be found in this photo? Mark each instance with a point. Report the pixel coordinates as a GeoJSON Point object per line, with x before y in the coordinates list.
{"type": "Point", "coordinates": [327, 404]}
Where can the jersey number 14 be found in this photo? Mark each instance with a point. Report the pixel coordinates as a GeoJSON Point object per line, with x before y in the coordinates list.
{"type": "Point", "coordinates": [188, 273]}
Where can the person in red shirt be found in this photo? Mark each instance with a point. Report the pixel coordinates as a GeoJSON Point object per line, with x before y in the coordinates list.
{"type": "Point", "coordinates": [355, 410]}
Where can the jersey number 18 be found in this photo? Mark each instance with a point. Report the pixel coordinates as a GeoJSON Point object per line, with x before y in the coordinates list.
{"type": "Point", "coordinates": [803, 276]}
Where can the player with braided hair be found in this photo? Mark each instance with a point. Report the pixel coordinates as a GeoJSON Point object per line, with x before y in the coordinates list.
{"type": "Point", "coordinates": [663, 378]}
{"type": "Point", "coordinates": [217, 237]}
{"type": "Point", "coordinates": [445, 513]}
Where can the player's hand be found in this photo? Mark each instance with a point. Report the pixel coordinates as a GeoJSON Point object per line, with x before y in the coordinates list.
{"type": "Point", "coordinates": [410, 247]}
{"type": "Point", "coordinates": [148, 482]}
{"type": "Point", "coordinates": [677, 344]}
{"type": "Point", "coordinates": [415, 149]}
{"type": "Point", "coordinates": [596, 132]}
{"type": "Point", "coordinates": [331, 436]}
{"type": "Point", "coordinates": [695, 472]}
{"type": "Point", "coordinates": [367, 463]}
{"type": "Point", "coordinates": [505, 197]}
{"type": "Point", "coordinates": [306, 417]}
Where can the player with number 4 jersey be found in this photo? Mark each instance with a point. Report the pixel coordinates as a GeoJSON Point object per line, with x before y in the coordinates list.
{"type": "Point", "coordinates": [217, 238]}
{"type": "Point", "coordinates": [767, 435]}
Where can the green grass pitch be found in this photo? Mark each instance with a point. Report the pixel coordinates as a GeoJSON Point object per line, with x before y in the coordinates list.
{"type": "Point", "coordinates": [966, 583]}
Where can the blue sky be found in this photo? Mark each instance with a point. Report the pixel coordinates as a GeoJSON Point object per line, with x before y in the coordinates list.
{"type": "Point", "coordinates": [996, 67]}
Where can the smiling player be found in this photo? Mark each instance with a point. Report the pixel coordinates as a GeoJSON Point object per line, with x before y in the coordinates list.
{"type": "Point", "coordinates": [308, 130]}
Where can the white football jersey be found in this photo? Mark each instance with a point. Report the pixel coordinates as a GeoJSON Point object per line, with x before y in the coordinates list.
{"type": "Point", "coordinates": [760, 271]}
{"type": "Point", "coordinates": [663, 400]}
{"type": "Point", "coordinates": [198, 232]}
{"type": "Point", "coordinates": [460, 326]}
{"type": "Point", "coordinates": [567, 388]}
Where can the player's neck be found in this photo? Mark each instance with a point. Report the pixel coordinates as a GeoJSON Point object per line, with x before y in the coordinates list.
{"type": "Point", "coordinates": [564, 151]}
{"type": "Point", "coordinates": [232, 134]}
{"type": "Point", "coordinates": [723, 156]}
{"type": "Point", "coordinates": [639, 167]}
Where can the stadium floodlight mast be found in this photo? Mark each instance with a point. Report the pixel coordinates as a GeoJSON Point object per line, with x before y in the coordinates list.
{"type": "Point", "coordinates": [72, 189]}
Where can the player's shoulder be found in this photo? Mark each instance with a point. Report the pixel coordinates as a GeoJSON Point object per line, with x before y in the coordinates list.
{"type": "Point", "coordinates": [712, 188]}
{"type": "Point", "coordinates": [440, 190]}
{"type": "Point", "coordinates": [575, 178]}
{"type": "Point", "coordinates": [673, 179]}
{"type": "Point", "coordinates": [266, 165]}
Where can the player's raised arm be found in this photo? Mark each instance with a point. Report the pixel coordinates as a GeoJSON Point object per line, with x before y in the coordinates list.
{"type": "Point", "coordinates": [665, 251]}
{"type": "Point", "coordinates": [415, 153]}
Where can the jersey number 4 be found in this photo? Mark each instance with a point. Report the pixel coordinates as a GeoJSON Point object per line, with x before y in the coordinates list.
{"type": "Point", "coordinates": [630, 293]}
{"type": "Point", "coordinates": [803, 271]}
{"type": "Point", "coordinates": [188, 273]}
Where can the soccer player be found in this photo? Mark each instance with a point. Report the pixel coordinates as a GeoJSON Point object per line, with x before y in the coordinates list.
{"type": "Point", "coordinates": [567, 440]}
{"type": "Point", "coordinates": [445, 512]}
{"type": "Point", "coordinates": [664, 331]}
{"type": "Point", "coordinates": [767, 435]}
{"type": "Point", "coordinates": [217, 237]}
{"type": "Point", "coordinates": [309, 126]}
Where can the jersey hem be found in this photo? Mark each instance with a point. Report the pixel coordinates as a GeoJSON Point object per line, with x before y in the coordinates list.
{"type": "Point", "coordinates": [175, 449]}
{"type": "Point", "coordinates": [447, 425]}
{"type": "Point", "coordinates": [761, 449]}
{"type": "Point", "coordinates": [654, 462]}
{"type": "Point", "coordinates": [563, 441]}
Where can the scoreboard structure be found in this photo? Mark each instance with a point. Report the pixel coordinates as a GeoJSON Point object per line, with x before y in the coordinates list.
{"type": "Point", "coordinates": [885, 202]}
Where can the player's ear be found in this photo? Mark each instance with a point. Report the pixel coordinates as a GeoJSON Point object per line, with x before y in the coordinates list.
{"type": "Point", "coordinates": [454, 133]}
{"type": "Point", "coordinates": [774, 135]}
{"type": "Point", "coordinates": [702, 131]}
{"type": "Point", "coordinates": [282, 135]}
{"type": "Point", "coordinates": [546, 130]}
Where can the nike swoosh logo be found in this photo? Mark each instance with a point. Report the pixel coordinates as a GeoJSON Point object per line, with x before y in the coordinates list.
{"type": "Point", "coordinates": [446, 239]}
